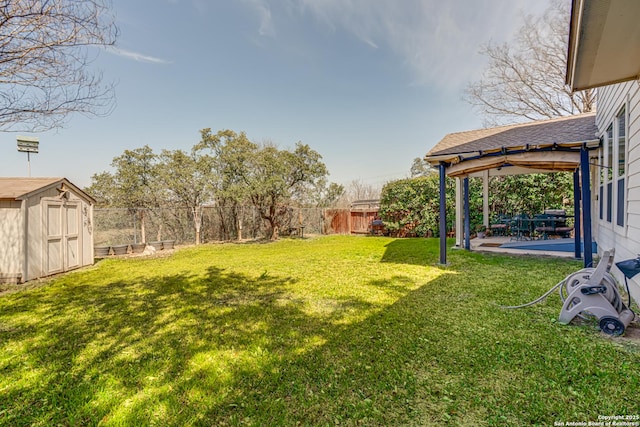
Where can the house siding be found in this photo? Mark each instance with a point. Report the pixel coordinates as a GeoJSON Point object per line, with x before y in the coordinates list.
{"type": "Point", "coordinates": [625, 240]}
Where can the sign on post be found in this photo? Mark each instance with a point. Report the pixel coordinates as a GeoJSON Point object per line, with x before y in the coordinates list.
{"type": "Point", "coordinates": [28, 144]}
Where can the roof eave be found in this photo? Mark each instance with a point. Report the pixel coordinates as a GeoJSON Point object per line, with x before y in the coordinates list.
{"type": "Point", "coordinates": [599, 31]}
{"type": "Point", "coordinates": [574, 30]}
{"type": "Point", "coordinates": [457, 157]}
{"type": "Point", "coordinates": [54, 183]}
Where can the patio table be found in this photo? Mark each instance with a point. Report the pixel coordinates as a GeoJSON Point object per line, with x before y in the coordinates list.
{"type": "Point", "coordinates": [551, 225]}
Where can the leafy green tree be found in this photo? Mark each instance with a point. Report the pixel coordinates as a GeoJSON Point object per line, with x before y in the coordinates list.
{"type": "Point", "coordinates": [269, 178]}
{"type": "Point", "coordinates": [133, 185]}
{"type": "Point", "coordinates": [188, 179]}
{"type": "Point", "coordinates": [102, 188]}
{"type": "Point", "coordinates": [277, 177]}
{"type": "Point", "coordinates": [531, 193]}
{"type": "Point", "coordinates": [327, 195]}
{"type": "Point", "coordinates": [225, 168]}
{"type": "Point", "coordinates": [411, 206]}
{"type": "Point", "coordinates": [231, 154]}
{"type": "Point", "coordinates": [420, 167]}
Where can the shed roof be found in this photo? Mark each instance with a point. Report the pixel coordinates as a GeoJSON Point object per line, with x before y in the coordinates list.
{"type": "Point", "coordinates": [22, 188]}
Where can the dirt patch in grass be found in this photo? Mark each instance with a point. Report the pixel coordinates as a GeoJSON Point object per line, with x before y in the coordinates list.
{"type": "Point", "coordinates": [632, 333]}
{"type": "Point", "coordinates": [10, 288]}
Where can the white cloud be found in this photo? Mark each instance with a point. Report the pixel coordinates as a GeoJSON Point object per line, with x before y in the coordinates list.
{"type": "Point", "coordinates": [263, 9]}
{"type": "Point", "coordinates": [136, 56]}
{"type": "Point", "coordinates": [437, 40]}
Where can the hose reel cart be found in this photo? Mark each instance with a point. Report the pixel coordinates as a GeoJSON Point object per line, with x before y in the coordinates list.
{"type": "Point", "coordinates": [594, 292]}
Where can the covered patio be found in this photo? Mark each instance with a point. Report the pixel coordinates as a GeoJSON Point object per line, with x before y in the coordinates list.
{"type": "Point", "coordinates": [556, 145]}
{"type": "Point", "coordinates": [559, 248]}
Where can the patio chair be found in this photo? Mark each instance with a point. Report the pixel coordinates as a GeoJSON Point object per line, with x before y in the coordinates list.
{"type": "Point", "coordinates": [543, 226]}
{"type": "Point", "coordinates": [501, 227]}
{"type": "Point", "coordinates": [520, 227]}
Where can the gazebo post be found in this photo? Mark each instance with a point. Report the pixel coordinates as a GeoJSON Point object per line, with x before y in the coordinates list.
{"type": "Point", "coordinates": [467, 219]}
{"type": "Point", "coordinates": [458, 224]}
{"type": "Point", "coordinates": [576, 214]}
{"type": "Point", "coordinates": [485, 198]}
{"type": "Point", "coordinates": [443, 214]}
{"type": "Point", "coordinates": [586, 206]}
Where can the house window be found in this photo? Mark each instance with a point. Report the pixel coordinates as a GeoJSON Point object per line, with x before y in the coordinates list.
{"type": "Point", "coordinates": [609, 171]}
{"type": "Point", "coordinates": [621, 167]}
{"type": "Point", "coordinates": [602, 168]}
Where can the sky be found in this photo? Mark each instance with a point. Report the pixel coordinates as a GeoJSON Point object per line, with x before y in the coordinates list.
{"type": "Point", "coordinates": [369, 84]}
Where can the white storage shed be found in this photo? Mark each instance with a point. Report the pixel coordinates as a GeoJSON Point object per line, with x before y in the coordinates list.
{"type": "Point", "coordinates": [46, 227]}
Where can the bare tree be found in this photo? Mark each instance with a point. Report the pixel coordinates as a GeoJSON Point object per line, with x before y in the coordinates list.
{"type": "Point", "coordinates": [357, 190]}
{"type": "Point", "coordinates": [45, 53]}
{"type": "Point", "coordinates": [526, 80]}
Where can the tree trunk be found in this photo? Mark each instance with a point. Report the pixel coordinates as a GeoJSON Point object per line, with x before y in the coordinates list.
{"type": "Point", "coordinates": [143, 228]}
{"type": "Point", "coordinates": [223, 224]}
{"type": "Point", "coordinates": [197, 222]}
{"type": "Point", "coordinates": [240, 224]}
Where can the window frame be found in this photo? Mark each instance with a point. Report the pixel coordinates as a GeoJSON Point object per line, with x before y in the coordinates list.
{"type": "Point", "coordinates": [601, 175]}
{"type": "Point", "coordinates": [621, 177]}
{"type": "Point", "coordinates": [608, 173]}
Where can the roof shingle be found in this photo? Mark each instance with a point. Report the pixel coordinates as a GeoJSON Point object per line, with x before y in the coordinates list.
{"type": "Point", "coordinates": [577, 128]}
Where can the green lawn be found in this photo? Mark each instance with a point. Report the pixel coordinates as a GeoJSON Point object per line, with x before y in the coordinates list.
{"type": "Point", "coordinates": [329, 331]}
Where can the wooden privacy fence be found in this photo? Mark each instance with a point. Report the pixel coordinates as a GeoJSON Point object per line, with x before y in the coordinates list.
{"type": "Point", "coordinates": [357, 220]}
{"type": "Point", "coordinates": [337, 221]}
{"type": "Point", "coordinates": [361, 220]}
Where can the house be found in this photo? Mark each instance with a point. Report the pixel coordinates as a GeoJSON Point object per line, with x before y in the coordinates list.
{"type": "Point", "coordinates": [603, 149]}
{"type": "Point", "coordinates": [46, 227]}
{"type": "Point", "coordinates": [604, 53]}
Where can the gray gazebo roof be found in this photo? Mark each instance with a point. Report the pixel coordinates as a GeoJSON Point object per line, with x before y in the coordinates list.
{"type": "Point", "coordinates": [544, 145]}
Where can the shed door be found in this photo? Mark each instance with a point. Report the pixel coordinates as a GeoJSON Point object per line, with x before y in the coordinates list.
{"type": "Point", "coordinates": [62, 232]}
{"type": "Point", "coordinates": [71, 258]}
